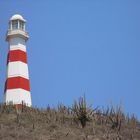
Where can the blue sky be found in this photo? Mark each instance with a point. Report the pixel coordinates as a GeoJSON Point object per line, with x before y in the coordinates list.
{"type": "Point", "coordinates": [79, 47]}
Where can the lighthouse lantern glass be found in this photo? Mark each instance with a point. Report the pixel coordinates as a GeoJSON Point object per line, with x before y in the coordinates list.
{"type": "Point", "coordinates": [14, 24]}
{"type": "Point", "coordinates": [17, 24]}
{"type": "Point", "coordinates": [21, 25]}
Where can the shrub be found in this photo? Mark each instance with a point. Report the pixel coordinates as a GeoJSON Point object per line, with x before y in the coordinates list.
{"type": "Point", "coordinates": [81, 111]}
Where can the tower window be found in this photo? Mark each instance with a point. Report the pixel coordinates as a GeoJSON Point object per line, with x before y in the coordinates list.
{"type": "Point", "coordinates": [15, 24]}
{"type": "Point", "coordinates": [21, 25]}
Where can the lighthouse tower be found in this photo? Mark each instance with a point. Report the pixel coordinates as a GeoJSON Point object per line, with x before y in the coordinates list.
{"type": "Point", "coordinates": [17, 85]}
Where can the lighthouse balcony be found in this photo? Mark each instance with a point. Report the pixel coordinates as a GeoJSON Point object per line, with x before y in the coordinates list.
{"type": "Point", "coordinates": [17, 33]}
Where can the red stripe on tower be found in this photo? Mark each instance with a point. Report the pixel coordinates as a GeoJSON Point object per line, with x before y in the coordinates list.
{"type": "Point", "coordinates": [17, 82]}
{"type": "Point", "coordinates": [17, 55]}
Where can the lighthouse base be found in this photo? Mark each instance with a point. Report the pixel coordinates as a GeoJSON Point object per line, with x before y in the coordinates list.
{"type": "Point", "coordinates": [18, 96]}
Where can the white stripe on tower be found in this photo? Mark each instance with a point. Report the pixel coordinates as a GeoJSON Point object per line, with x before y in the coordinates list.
{"type": "Point", "coordinates": [17, 68]}
{"type": "Point", "coordinates": [17, 85]}
{"type": "Point", "coordinates": [14, 45]}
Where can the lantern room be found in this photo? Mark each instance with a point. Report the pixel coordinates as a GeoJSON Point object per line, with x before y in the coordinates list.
{"type": "Point", "coordinates": [17, 27]}
{"type": "Point", "coordinates": [17, 22]}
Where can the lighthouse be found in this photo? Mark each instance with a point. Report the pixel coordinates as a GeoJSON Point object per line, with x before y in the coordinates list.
{"type": "Point", "coordinates": [17, 85]}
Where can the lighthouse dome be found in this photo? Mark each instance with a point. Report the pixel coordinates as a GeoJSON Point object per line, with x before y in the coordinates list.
{"type": "Point", "coordinates": [17, 17]}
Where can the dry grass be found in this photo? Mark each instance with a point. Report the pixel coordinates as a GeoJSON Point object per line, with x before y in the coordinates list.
{"type": "Point", "coordinates": [79, 122]}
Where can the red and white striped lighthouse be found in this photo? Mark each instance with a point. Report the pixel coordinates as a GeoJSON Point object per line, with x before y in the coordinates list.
{"type": "Point", "coordinates": [17, 85]}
